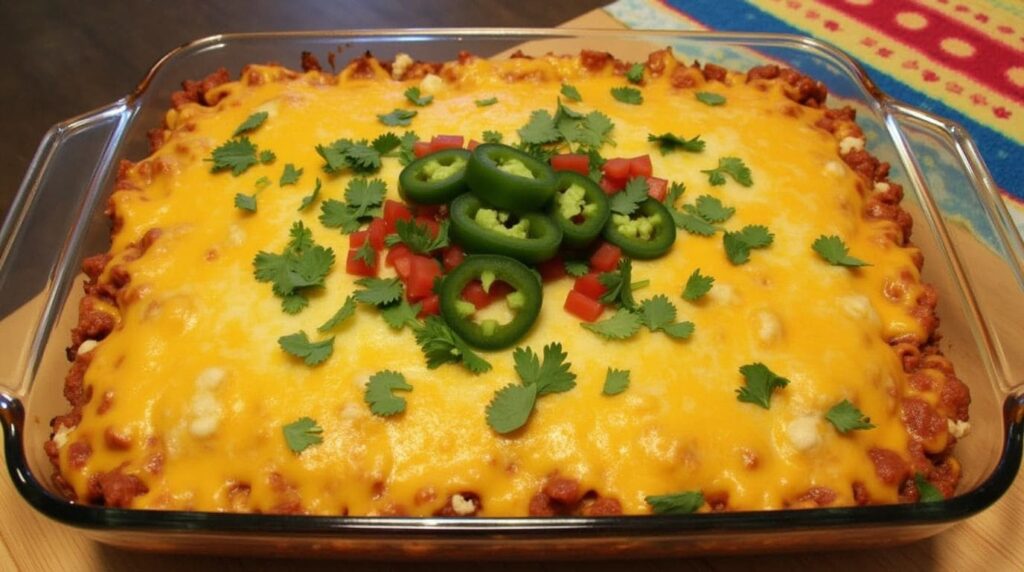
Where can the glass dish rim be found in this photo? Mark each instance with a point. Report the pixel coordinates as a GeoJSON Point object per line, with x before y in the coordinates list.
{"type": "Point", "coordinates": [137, 520]}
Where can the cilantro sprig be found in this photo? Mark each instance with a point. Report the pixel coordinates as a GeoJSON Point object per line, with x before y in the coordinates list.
{"type": "Point", "coordinates": [290, 175]}
{"type": "Point", "coordinates": [676, 503]}
{"type": "Point", "coordinates": [347, 310]}
{"type": "Point", "coordinates": [544, 134]}
{"type": "Point", "coordinates": [441, 345]}
{"type": "Point", "coordinates": [418, 237]}
{"type": "Point", "coordinates": [363, 198]}
{"type": "Point", "coordinates": [622, 325]}
{"type": "Point", "coordinates": [618, 285]}
{"type": "Point", "coordinates": [486, 102]}
{"type": "Point", "coordinates": [378, 291]}
{"type": "Point", "coordinates": [627, 95]}
{"type": "Point", "coordinates": [627, 201]}
{"type": "Point", "coordinates": [236, 155]}
{"type": "Point", "coordinates": [416, 98]}
{"type": "Point", "coordinates": [512, 405]}
{"type": "Point", "coordinates": [302, 265]}
{"type": "Point", "coordinates": [379, 393]}
{"type": "Point", "coordinates": [251, 123]}
{"type": "Point", "coordinates": [834, 251]}
{"type": "Point", "coordinates": [668, 142]}
{"type": "Point", "coordinates": [710, 98]}
{"type": "Point", "coordinates": [635, 73]}
{"type": "Point", "coordinates": [659, 314]}
{"type": "Point", "coordinates": [697, 285]}
{"type": "Point", "coordinates": [760, 383]}
{"type": "Point", "coordinates": [397, 117]}
{"type": "Point", "coordinates": [570, 92]}
{"type": "Point", "coordinates": [926, 491]}
{"type": "Point", "coordinates": [739, 244]}
{"type": "Point", "coordinates": [845, 417]}
{"type": "Point", "coordinates": [311, 197]}
{"type": "Point", "coordinates": [359, 156]}
{"type": "Point", "coordinates": [615, 381]}
{"type": "Point", "coordinates": [302, 434]}
{"type": "Point", "coordinates": [300, 346]}
{"type": "Point", "coordinates": [732, 166]}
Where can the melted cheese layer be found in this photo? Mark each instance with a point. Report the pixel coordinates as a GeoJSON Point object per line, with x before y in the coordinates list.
{"type": "Point", "coordinates": [201, 389]}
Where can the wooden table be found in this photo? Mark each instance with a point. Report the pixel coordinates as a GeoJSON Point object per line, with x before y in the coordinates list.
{"type": "Point", "coordinates": [74, 57]}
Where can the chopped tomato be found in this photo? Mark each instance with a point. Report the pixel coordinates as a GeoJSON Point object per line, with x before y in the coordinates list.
{"type": "Point", "coordinates": [431, 225]}
{"type": "Point", "coordinates": [500, 289]}
{"type": "Point", "coordinates": [551, 270]}
{"type": "Point", "coordinates": [403, 266]}
{"type": "Point", "coordinates": [590, 286]}
{"type": "Point", "coordinates": [357, 239]}
{"type": "Point", "coordinates": [611, 186]}
{"type": "Point", "coordinates": [377, 232]}
{"type": "Point", "coordinates": [617, 169]}
{"type": "Point", "coordinates": [473, 144]}
{"type": "Point", "coordinates": [358, 267]}
{"type": "Point", "coordinates": [433, 212]}
{"type": "Point", "coordinates": [440, 142]}
{"type": "Point", "coordinates": [657, 188]}
{"type": "Point", "coordinates": [421, 149]}
{"type": "Point", "coordinates": [583, 307]}
{"type": "Point", "coordinates": [430, 306]}
{"type": "Point", "coordinates": [641, 166]}
{"type": "Point", "coordinates": [474, 293]}
{"type": "Point", "coordinates": [453, 256]}
{"type": "Point", "coordinates": [397, 252]}
{"type": "Point", "coordinates": [605, 258]}
{"type": "Point", "coordinates": [420, 283]}
{"type": "Point", "coordinates": [394, 211]}
{"type": "Point", "coordinates": [575, 162]}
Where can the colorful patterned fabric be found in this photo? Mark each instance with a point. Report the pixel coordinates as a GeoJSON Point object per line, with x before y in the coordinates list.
{"type": "Point", "coordinates": [960, 59]}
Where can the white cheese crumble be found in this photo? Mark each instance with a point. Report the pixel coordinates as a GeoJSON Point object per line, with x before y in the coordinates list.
{"type": "Point", "coordinates": [463, 506]}
{"type": "Point", "coordinates": [958, 429]}
{"type": "Point", "coordinates": [858, 306]}
{"type": "Point", "coordinates": [724, 294]}
{"type": "Point", "coordinates": [769, 327]}
{"type": "Point", "coordinates": [205, 410]}
{"type": "Point", "coordinates": [849, 144]}
{"type": "Point", "coordinates": [431, 83]}
{"type": "Point", "coordinates": [803, 432]}
{"type": "Point", "coordinates": [834, 168]}
{"type": "Point", "coordinates": [236, 235]}
{"type": "Point", "coordinates": [61, 436]}
{"type": "Point", "coordinates": [881, 187]}
{"type": "Point", "coordinates": [402, 63]}
{"type": "Point", "coordinates": [87, 346]}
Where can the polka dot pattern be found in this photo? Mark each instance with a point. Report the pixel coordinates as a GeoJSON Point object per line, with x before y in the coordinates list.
{"type": "Point", "coordinates": [912, 20]}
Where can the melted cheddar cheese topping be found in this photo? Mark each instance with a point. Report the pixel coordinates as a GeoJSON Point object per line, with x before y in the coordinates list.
{"type": "Point", "coordinates": [197, 389]}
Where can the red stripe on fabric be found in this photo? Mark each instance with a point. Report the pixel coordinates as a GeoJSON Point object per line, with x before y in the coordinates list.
{"type": "Point", "coordinates": [987, 65]}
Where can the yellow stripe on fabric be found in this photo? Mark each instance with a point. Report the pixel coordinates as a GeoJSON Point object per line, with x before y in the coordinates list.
{"type": "Point", "coordinates": [1003, 23]}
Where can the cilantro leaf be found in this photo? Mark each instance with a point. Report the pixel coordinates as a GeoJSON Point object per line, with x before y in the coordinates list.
{"type": "Point", "coordinates": [539, 129]}
{"type": "Point", "coordinates": [303, 264]}
{"type": "Point", "coordinates": [697, 285]}
{"type": "Point", "coordinates": [926, 491]}
{"type": "Point", "coordinates": [732, 166]}
{"type": "Point", "coordinates": [709, 98]}
{"type": "Point", "coordinates": [680, 330]}
{"type": "Point", "coordinates": [312, 197]}
{"type": "Point", "coordinates": [301, 434]}
{"type": "Point", "coordinates": [624, 324]}
{"type": "Point", "coordinates": [378, 291]}
{"type": "Point", "coordinates": [492, 136]}
{"type": "Point", "coordinates": [312, 353]}
{"type": "Point", "coordinates": [550, 376]}
{"type": "Point", "coordinates": [290, 176]}
{"type": "Point", "coordinates": [618, 285]}
{"type": "Point", "coordinates": [576, 268]}
{"type": "Point", "coordinates": [401, 314]}
{"type": "Point", "coordinates": [691, 223]}
{"type": "Point", "coordinates": [405, 152]}
{"type": "Point", "coordinates": [570, 92]}
{"type": "Point", "coordinates": [486, 102]}
{"type": "Point", "coordinates": [237, 155]}
{"type": "Point", "coordinates": [739, 244]}
{"type": "Point", "coordinates": [615, 381]}
{"type": "Point", "coordinates": [267, 156]}
{"type": "Point", "coordinates": [635, 73]}
{"type": "Point", "coordinates": [511, 407]}
{"type": "Point", "coordinates": [343, 154]}
{"type": "Point", "coordinates": [711, 209]}
{"type": "Point", "coordinates": [262, 183]}
{"type": "Point", "coordinates": [414, 97]}
{"type": "Point", "coordinates": [657, 312]}
{"type": "Point", "coordinates": [760, 382]}
{"type": "Point", "coordinates": [675, 190]}
{"type": "Point", "coordinates": [345, 312]}
{"type": "Point", "coordinates": [251, 123]}
{"type": "Point", "coordinates": [386, 143]}
{"type": "Point", "coordinates": [441, 345]}
{"type": "Point", "coordinates": [628, 95]}
{"type": "Point", "coordinates": [367, 254]}
{"type": "Point", "coordinates": [678, 503]}
{"type": "Point", "coordinates": [846, 417]}
{"type": "Point", "coordinates": [379, 396]}
{"type": "Point", "coordinates": [628, 200]}
{"type": "Point", "coordinates": [418, 237]}
{"type": "Point", "coordinates": [834, 251]}
{"type": "Point", "coordinates": [245, 202]}
{"type": "Point", "coordinates": [397, 117]}
{"type": "Point", "coordinates": [365, 195]}
{"type": "Point", "coordinates": [668, 142]}
{"type": "Point", "coordinates": [336, 214]}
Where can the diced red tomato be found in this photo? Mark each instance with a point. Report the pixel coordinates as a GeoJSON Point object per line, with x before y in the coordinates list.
{"type": "Point", "coordinates": [403, 267]}
{"type": "Point", "coordinates": [551, 270]}
{"type": "Point", "coordinates": [605, 258]}
{"type": "Point", "coordinates": [421, 149]}
{"type": "Point", "coordinates": [430, 306]}
{"type": "Point", "coordinates": [499, 290]}
{"type": "Point", "coordinates": [641, 166]}
{"type": "Point", "coordinates": [474, 293]}
{"type": "Point", "coordinates": [378, 231]}
{"type": "Point", "coordinates": [611, 186]}
{"type": "Point", "coordinates": [433, 212]}
{"type": "Point", "coordinates": [583, 307]}
{"type": "Point", "coordinates": [657, 188]}
{"type": "Point", "coordinates": [420, 283]}
{"type": "Point", "coordinates": [473, 144]}
{"type": "Point", "coordinates": [393, 212]}
{"type": "Point", "coordinates": [617, 169]}
{"type": "Point", "coordinates": [440, 142]}
{"type": "Point", "coordinates": [590, 285]}
{"type": "Point", "coordinates": [357, 239]}
{"type": "Point", "coordinates": [359, 267]}
{"type": "Point", "coordinates": [575, 162]}
{"type": "Point", "coordinates": [430, 223]}
{"type": "Point", "coordinates": [453, 256]}
{"type": "Point", "coordinates": [397, 251]}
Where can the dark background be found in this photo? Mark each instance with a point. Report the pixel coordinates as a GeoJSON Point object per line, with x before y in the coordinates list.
{"type": "Point", "coordinates": [68, 57]}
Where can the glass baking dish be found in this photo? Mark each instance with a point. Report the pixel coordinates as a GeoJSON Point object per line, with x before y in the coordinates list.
{"type": "Point", "coordinates": [973, 255]}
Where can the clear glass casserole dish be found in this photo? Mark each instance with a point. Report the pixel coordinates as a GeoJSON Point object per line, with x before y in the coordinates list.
{"type": "Point", "coordinates": [973, 254]}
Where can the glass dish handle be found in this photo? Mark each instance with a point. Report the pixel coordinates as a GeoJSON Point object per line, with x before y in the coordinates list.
{"type": "Point", "coordinates": [65, 178]}
{"type": "Point", "coordinates": [965, 205]}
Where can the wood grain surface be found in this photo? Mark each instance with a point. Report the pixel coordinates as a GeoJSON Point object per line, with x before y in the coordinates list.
{"type": "Point", "coordinates": [991, 541]}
